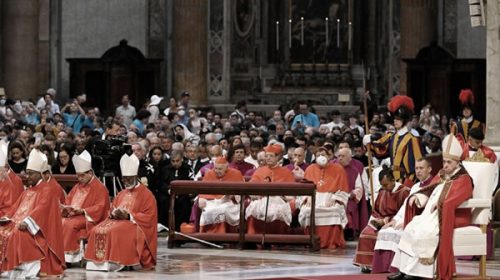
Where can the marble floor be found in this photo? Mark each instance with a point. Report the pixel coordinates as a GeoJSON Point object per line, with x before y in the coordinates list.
{"type": "Point", "coordinates": [193, 261]}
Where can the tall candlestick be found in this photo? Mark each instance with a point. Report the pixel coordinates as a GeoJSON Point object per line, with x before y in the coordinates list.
{"type": "Point", "coordinates": [290, 33]}
{"type": "Point", "coordinates": [326, 31]}
{"type": "Point", "coordinates": [301, 31]}
{"type": "Point", "coordinates": [338, 33]}
{"type": "Point", "coordinates": [350, 37]}
{"type": "Point", "coordinates": [277, 35]}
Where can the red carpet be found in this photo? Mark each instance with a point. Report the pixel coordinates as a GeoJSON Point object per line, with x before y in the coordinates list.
{"type": "Point", "coordinates": [337, 277]}
{"type": "Point", "coordinates": [347, 277]}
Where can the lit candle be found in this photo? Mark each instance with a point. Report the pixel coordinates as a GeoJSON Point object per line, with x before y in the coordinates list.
{"type": "Point", "coordinates": [326, 31]}
{"type": "Point", "coordinates": [290, 33]}
{"type": "Point", "coordinates": [350, 36]}
{"type": "Point", "coordinates": [338, 33]}
{"type": "Point", "coordinates": [277, 35]}
{"type": "Point", "coordinates": [301, 31]}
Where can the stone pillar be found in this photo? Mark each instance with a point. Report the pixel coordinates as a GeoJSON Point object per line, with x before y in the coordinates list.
{"type": "Point", "coordinates": [418, 29]}
{"type": "Point", "coordinates": [189, 52]}
{"type": "Point", "coordinates": [43, 46]}
{"type": "Point", "coordinates": [20, 48]}
{"type": "Point", "coordinates": [493, 75]}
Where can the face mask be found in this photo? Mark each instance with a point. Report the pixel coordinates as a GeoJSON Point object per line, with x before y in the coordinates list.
{"type": "Point", "coordinates": [218, 136]}
{"type": "Point", "coordinates": [321, 161]}
{"type": "Point", "coordinates": [2, 102]}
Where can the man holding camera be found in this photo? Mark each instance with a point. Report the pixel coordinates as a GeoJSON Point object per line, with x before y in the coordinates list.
{"type": "Point", "coordinates": [86, 205]}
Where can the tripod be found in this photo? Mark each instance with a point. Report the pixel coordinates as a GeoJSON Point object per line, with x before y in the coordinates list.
{"type": "Point", "coordinates": [115, 181]}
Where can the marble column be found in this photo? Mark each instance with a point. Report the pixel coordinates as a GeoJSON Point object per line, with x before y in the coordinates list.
{"type": "Point", "coordinates": [418, 29]}
{"type": "Point", "coordinates": [493, 75]}
{"type": "Point", "coordinates": [20, 48]}
{"type": "Point", "coordinates": [189, 51]}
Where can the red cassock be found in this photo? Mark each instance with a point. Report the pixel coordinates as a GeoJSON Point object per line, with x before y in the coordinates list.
{"type": "Point", "coordinates": [40, 204]}
{"type": "Point", "coordinates": [232, 175]}
{"type": "Point", "coordinates": [268, 174]}
{"type": "Point", "coordinates": [93, 198]}
{"type": "Point", "coordinates": [127, 242]}
{"type": "Point", "coordinates": [10, 191]}
{"type": "Point", "coordinates": [387, 205]}
{"type": "Point", "coordinates": [330, 179]}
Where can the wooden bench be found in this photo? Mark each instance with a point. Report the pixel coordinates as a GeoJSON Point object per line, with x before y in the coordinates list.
{"type": "Point", "coordinates": [245, 189]}
{"type": "Point", "coordinates": [66, 181]}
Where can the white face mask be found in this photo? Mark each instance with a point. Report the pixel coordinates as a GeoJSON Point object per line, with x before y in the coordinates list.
{"type": "Point", "coordinates": [2, 102]}
{"type": "Point", "coordinates": [218, 136]}
{"type": "Point", "coordinates": [321, 160]}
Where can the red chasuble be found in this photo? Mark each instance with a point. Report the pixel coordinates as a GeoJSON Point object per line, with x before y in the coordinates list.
{"type": "Point", "coordinates": [93, 198]}
{"type": "Point", "coordinates": [10, 191]}
{"type": "Point", "coordinates": [61, 194]}
{"type": "Point", "coordinates": [16, 246]}
{"type": "Point", "coordinates": [387, 205]}
{"type": "Point", "coordinates": [127, 242]}
{"type": "Point", "coordinates": [15, 179]}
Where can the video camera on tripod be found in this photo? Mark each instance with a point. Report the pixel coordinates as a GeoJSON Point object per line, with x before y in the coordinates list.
{"type": "Point", "coordinates": [106, 155]}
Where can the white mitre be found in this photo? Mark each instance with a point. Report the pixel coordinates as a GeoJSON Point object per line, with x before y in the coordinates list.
{"type": "Point", "coordinates": [37, 161]}
{"type": "Point", "coordinates": [451, 148]}
{"type": "Point", "coordinates": [3, 153]}
{"type": "Point", "coordinates": [82, 162]}
{"type": "Point", "coordinates": [129, 165]}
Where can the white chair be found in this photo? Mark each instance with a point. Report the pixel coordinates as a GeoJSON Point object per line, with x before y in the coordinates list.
{"type": "Point", "coordinates": [471, 240]}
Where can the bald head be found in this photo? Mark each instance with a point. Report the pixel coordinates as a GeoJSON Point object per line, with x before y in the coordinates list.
{"type": "Point", "coordinates": [345, 156]}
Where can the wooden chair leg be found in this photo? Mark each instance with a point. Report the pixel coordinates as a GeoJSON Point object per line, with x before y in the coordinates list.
{"type": "Point", "coordinates": [482, 267]}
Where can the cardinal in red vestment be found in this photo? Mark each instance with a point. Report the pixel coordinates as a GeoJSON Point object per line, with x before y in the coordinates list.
{"type": "Point", "coordinates": [128, 237]}
{"type": "Point", "coordinates": [86, 205]}
{"type": "Point", "coordinates": [10, 190]}
{"type": "Point", "coordinates": [279, 211]}
{"type": "Point", "coordinates": [31, 232]}
{"type": "Point", "coordinates": [220, 213]}
{"type": "Point", "coordinates": [331, 200]}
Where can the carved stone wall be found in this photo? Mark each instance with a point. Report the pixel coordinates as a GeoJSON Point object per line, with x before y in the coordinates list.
{"type": "Point", "coordinates": [244, 49]}
{"type": "Point", "coordinates": [219, 51]}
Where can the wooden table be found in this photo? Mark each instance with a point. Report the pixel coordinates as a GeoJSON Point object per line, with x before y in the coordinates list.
{"type": "Point", "coordinates": [245, 189]}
